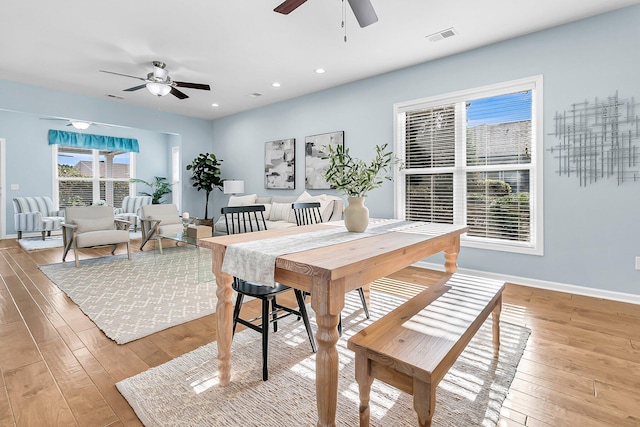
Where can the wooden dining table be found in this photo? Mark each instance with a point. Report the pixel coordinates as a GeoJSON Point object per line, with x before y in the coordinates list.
{"type": "Point", "coordinates": [327, 273]}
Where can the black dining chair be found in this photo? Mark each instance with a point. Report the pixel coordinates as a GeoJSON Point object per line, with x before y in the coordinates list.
{"type": "Point", "coordinates": [308, 213]}
{"type": "Point", "coordinates": [244, 219]}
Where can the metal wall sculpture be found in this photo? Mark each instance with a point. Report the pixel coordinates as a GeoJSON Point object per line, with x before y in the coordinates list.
{"type": "Point", "coordinates": [599, 140]}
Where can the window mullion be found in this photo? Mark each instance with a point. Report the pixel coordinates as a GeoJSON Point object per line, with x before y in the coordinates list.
{"type": "Point", "coordinates": [96, 175]}
{"type": "Point", "coordinates": [459, 174]}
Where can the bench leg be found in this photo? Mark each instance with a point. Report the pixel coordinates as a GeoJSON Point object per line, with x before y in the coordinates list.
{"type": "Point", "coordinates": [495, 316]}
{"type": "Point", "coordinates": [424, 402]}
{"type": "Point", "coordinates": [364, 379]}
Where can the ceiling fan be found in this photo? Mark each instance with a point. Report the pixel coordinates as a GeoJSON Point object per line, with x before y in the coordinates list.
{"type": "Point", "coordinates": [77, 124]}
{"type": "Point", "coordinates": [362, 9]}
{"type": "Point", "coordinates": [160, 84]}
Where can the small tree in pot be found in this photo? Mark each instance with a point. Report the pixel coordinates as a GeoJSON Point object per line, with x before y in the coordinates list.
{"type": "Point", "coordinates": [205, 175]}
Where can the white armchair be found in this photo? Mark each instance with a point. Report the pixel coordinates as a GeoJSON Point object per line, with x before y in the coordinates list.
{"type": "Point", "coordinates": [130, 210]}
{"type": "Point", "coordinates": [36, 214]}
{"type": "Point", "coordinates": [91, 226]}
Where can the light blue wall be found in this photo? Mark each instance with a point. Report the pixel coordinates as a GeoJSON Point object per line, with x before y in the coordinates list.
{"type": "Point", "coordinates": [28, 157]}
{"type": "Point", "coordinates": [592, 234]}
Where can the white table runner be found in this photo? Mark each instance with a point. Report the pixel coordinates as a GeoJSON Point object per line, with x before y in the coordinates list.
{"type": "Point", "coordinates": [255, 261]}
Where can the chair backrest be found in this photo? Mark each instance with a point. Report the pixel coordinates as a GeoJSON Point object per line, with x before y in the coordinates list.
{"type": "Point", "coordinates": [244, 219]}
{"type": "Point", "coordinates": [166, 213]}
{"type": "Point", "coordinates": [307, 213]}
{"type": "Point", "coordinates": [90, 218]}
{"type": "Point", "coordinates": [41, 204]}
{"type": "Point", "coordinates": [131, 204]}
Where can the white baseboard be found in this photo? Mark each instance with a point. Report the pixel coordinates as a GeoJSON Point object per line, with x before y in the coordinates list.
{"type": "Point", "coordinates": [542, 284]}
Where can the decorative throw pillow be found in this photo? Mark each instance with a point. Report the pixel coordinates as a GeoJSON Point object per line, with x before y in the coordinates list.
{"type": "Point", "coordinates": [304, 196]}
{"type": "Point", "coordinates": [281, 212]}
{"type": "Point", "coordinates": [267, 210]}
{"type": "Point", "coordinates": [249, 199]}
{"type": "Point", "coordinates": [326, 204]}
{"type": "Point", "coordinates": [93, 224]}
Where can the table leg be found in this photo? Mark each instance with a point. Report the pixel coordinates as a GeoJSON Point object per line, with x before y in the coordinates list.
{"type": "Point", "coordinates": [451, 256]}
{"type": "Point", "coordinates": [224, 325]}
{"type": "Point", "coordinates": [327, 300]}
{"type": "Point", "coordinates": [496, 326]}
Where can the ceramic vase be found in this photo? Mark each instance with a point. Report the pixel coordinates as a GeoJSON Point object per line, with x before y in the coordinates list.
{"type": "Point", "coordinates": [356, 215]}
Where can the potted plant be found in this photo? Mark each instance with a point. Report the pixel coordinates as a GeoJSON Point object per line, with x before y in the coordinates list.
{"type": "Point", "coordinates": [205, 175]}
{"type": "Point", "coordinates": [159, 188]}
{"type": "Point", "coordinates": [355, 179]}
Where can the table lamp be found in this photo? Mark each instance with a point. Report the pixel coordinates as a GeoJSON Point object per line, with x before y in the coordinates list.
{"type": "Point", "coordinates": [232, 186]}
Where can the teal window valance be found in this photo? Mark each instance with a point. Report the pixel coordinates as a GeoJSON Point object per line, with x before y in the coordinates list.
{"type": "Point", "coordinates": [96, 142]}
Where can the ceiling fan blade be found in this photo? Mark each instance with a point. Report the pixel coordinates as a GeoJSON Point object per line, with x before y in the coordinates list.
{"type": "Point", "coordinates": [363, 10]}
{"type": "Point", "coordinates": [288, 6]}
{"type": "Point", "coordinates": [131, 89]}
{"type": "Point", "coordinates": [124, 75]}
{"type": "Point", "coordinates": [193, 85]}
{"type": "Point", "coordinates": [181, 95]}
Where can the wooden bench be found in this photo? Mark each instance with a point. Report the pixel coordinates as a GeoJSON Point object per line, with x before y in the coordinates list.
{"type": "Point", "coordinates": [413, 347]}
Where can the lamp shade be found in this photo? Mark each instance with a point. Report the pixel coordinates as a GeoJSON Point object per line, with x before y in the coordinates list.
{"type": "Point", "coordinates": [158, 89]}
{"type": "Point", "coordinates": [232, 186]}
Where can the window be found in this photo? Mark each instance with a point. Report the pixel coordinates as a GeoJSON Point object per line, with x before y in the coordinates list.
{"type": "Point", "coordinates": [86, 176]}
{"type": "Point", "coordinates": [472, 158]}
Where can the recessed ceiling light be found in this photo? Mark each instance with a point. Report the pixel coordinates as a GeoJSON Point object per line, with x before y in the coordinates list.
{"type": "Point", "coordinates": [215, 105]}
{"type": "Point", "coordinates": [320, 70]}
{"type": "Point", "coordinates": [275, 84]}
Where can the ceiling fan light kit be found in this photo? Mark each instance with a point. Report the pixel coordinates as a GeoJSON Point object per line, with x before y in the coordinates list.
{"type": "Point", "coordinates": [158, 89]}
{"type": "Point", "coordinates": [80, 125]}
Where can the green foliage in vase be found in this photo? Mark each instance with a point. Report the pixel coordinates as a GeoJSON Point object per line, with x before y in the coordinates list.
{"type": "Point", "coordinates": [354, 177]}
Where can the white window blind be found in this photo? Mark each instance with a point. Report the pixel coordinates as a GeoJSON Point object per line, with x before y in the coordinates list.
{"type": "Point", "coordinates": [471, 158]}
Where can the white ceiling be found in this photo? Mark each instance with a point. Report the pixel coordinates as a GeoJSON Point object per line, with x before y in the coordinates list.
{"type": "Point", "coordinates": [241, 46]}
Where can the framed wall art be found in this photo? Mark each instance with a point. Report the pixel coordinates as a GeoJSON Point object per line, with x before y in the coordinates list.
{"type": "Point", "coordinates": [315, 147]}
{"type": "Point", "coordinates": [280, 164]}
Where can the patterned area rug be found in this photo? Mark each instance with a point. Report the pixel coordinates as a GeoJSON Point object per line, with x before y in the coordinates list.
{"type": "Point", "coordinates": [184, 391]}
{"type": "Point", "coordinates": [132, 299]}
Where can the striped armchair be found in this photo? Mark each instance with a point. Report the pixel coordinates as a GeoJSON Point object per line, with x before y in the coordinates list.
{"type": "Point", "coordinates": [36, 214]}
{"type": "Point", "coordinates": [130, 209]}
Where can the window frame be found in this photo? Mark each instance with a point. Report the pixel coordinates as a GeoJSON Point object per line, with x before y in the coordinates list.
{"type": "Point", "coordinates": [95, 179]}
{"type": "Point", "coordinates": [535, 83]}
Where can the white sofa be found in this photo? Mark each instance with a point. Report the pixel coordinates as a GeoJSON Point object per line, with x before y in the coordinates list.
{"type": "Point", "coordinates": [278, 212]}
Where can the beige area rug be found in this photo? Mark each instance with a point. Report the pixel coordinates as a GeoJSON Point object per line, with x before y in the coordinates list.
{"type": "Point", "coordinates": [128, 300]}
{"type": "Point", "coordinates": [185, 391]}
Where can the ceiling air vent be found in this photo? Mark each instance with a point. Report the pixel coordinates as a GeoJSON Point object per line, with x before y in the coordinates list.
{"type": "Point", "coordinates": [440, 35]}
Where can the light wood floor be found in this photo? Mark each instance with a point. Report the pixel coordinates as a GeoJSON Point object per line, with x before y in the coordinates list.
{"type": "Point", "coordinates": [581, 366]}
